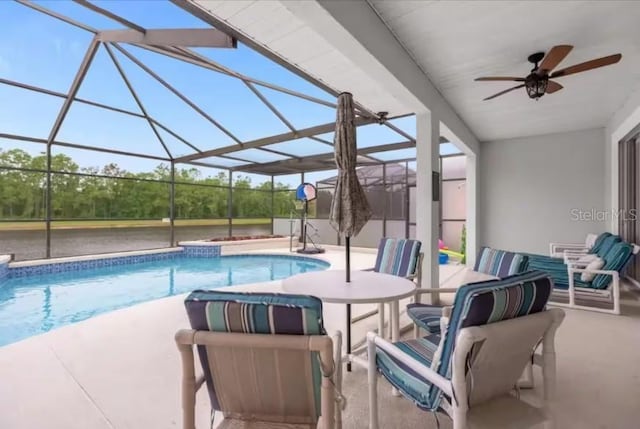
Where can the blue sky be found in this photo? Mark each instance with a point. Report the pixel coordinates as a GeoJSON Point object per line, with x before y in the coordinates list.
{"type": "Point", "coordinates": [38, 50]}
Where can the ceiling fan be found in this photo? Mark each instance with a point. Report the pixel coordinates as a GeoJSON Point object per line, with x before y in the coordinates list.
{"type": "Point", "coordinates": [538, 82]}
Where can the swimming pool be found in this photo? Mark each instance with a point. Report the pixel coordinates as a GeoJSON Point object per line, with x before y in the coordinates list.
{"type": "Point", "coordinates": [36, 304]}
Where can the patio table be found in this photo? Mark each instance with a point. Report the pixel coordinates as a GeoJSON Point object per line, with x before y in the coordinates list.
{"type": "Point", "coordinates": [366, 287]}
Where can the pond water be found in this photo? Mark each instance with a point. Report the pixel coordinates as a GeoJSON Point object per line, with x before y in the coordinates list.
{"type": "Point", "coordinates": [72, 242]}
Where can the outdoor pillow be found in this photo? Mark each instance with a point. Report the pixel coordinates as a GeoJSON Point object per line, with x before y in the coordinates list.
{"type": "Point", "coordinates": [596, 264]}
{"type": "Point", "coordinates": [591, 240]}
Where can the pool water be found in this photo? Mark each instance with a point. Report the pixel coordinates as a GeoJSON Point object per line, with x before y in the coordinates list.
{"type": "Point", "coordinates": [37, 304]}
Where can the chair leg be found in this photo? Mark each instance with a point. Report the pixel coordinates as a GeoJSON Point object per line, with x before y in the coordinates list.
{"type": "Point", "coordinates": [416, 331]}
{"type": "Point", "coordinates": [381, 330]}
{"type": "Point", "coordinates": [373, 384]}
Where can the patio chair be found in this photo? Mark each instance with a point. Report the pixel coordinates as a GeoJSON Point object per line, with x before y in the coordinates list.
{"type": "Point", "coordinates": [470, 373]}
{"type": "Point", "coordinates": [399, 257]}
{"type": "Point", "coordinates": [590, 245]}
{"type": "Point", "coordinates": [492, 262]}
{"type": "Point", "coordinates": [266, 359]}
{"type": "Point", "coordinates": [602, 292]}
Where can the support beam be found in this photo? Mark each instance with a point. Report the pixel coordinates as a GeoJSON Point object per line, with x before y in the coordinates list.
{"type": "Point", "coordinates": [172, 205]}
{"type": "Point", "coordinates": [196, 59]}
{"type": "Point", "coordinates": [73, 90]}
{"type": "Point", "coordinates": [138, 102]}
{"type": "Point", "coordinates": [471, 203]}
{"type": "Point", "coordinates": [355, 29]}
{"type": "Point", "coordinates": [192, 37]}
{"type": "Point", "coordinates": [328, 158]}
{"type": "Point", "coordinates": [200, 12]}
{"type": "Point", "coordinates": [57, 15]}
{"type": "Point", "coordinates": [174, 134]}
{"type": "Point", "coordinates": [265, 141]}
{"type": "Point", "coordinates": [110, 15]}
{"type": "Point", "coordinates": [427, 210]}
{"type": "Point", "coordinates": [177, 93]}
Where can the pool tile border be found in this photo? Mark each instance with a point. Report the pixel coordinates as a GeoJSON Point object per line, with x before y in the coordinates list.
{"type": "Point", "coordinates": [10, 269]}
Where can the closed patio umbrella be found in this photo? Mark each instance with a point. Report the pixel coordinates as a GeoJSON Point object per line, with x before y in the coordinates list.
{"type": "Point", "coordinates": [350, 209]}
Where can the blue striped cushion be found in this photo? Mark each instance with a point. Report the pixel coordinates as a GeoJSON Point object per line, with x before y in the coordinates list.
{"type": "Point", "coordinates": [599, 241]}
{"type": "Point", "coordinates": [606, 245]}
{"type": "Point", "coordinates": [475, 304]}
{"type": "Point", "coordinates": [403, 377]}
{"type": "Point", "coordinates": [397, 256]}
{"type": "Point", "coordinates": [615, 260]}
{"type": "Point", "coordinates": [255, 313]}
{"type": "Point", "coordinates": [425, 316]}
{"type": "Point", "coordinates": [487, 302]}
{"type": "Point", "coordinates": [500, 263]}
{"type": "Point", "coordinates": [554, 267]}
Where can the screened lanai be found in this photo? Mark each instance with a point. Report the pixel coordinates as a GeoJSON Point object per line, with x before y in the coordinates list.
{"type": "Point", "coordinates": [125, 130]}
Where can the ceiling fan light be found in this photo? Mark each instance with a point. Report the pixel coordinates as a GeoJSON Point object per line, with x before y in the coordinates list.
{"type": "Point", "coordinates": [536, 88]}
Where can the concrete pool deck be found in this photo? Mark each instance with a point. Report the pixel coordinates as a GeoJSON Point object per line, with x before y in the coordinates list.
{"type": "Point", "coordinates": [121, 369]}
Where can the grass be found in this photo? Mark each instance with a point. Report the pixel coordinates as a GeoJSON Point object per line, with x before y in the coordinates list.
{"type": "Point", "coordinates": [96, 224]}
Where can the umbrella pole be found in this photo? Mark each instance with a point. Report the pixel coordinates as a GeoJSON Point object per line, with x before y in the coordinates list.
{"type": "Point", "coordinates": [348, 264]}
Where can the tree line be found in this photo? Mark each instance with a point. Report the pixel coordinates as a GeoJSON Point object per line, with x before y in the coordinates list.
{"type": "Point", "coordinates": [110, 192]}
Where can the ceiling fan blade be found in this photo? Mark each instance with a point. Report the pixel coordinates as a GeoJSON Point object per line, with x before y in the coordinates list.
{"type": "Point", "coordinates": [588, 65]}
{"type": "Point", "coordinates": [503, 92]}
{"type": "Point", "coordinates": [492, 78]}
{"type": "Point", "coordinates": [553, 58]}
{"type": "Point", "coordinates": [553, 87]}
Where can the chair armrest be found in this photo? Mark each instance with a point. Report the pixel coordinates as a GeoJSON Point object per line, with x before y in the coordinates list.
{"type": "Point", "coordinates": [612, 273]}
{"type": "Point", "coordinates": [556, 248]}
{"type": "Point", "coordinates": [572, 255]}
{"type": "Point", "coordinates": [576, 264]}
{"type": "Point", "coordinates": [430, 375]}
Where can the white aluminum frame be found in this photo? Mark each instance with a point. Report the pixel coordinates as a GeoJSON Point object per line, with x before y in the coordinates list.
{"type": "Point", "coordinates": [467, 337]}
{"type": "Point", "coordinates": [610, 294]}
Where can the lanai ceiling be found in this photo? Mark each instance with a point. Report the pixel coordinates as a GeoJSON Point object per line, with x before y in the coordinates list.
{"type": "Point", "coordinates": [455, 42]}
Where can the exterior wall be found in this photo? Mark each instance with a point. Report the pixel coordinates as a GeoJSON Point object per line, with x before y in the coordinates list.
{"type": "Point", "coordinates": [530, 189]}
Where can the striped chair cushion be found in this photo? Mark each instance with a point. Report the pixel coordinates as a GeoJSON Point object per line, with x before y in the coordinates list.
{"type": "Point", "coordinates": [254, 313]}
{"type": "Point", "coordinates": [488, 302]}
{"type": "Point", "coordinates": [599, 241]}
{"type": "Point", "coordinates": [475, 304]}
{"type": "Point", "coordinates": [606, 245]}
{"type": "Point", "coordinates": [403, 377]}
{"type": "Point", "coordinates": [397, 256]}
{"type": "Point", "coordinates": [554, 267]}
{"type": "Point", "coordinates": [500, 263]}
{"type": "Point", "coordinates": [615, 260]}
{"type": "Point", "coordinates": [617, 257]}
{"type": "Point", "coordinates": [425, 316]}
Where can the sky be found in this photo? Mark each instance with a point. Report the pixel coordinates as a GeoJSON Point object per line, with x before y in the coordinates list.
{"type": "Point", "coordinates": [41, 51]}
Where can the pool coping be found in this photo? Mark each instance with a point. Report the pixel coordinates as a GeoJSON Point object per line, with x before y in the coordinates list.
{"type": "Point", "coordinates": [21, 269]}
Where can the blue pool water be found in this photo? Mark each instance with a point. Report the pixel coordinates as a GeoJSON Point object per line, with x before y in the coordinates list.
{"type": "Point", "coordinates": [37, 304]}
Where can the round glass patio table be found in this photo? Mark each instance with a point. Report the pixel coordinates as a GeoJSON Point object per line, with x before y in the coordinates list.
{"type": "Point", "coordinates": [366, 287]}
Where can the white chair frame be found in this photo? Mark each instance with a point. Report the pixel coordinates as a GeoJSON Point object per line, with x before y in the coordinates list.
{"type": "Point", "coordinates": [465, 340]}
{"type": "Point", "coordinates": [329, 352]}
{"type": "Point", "coordinates": [610, 294]}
